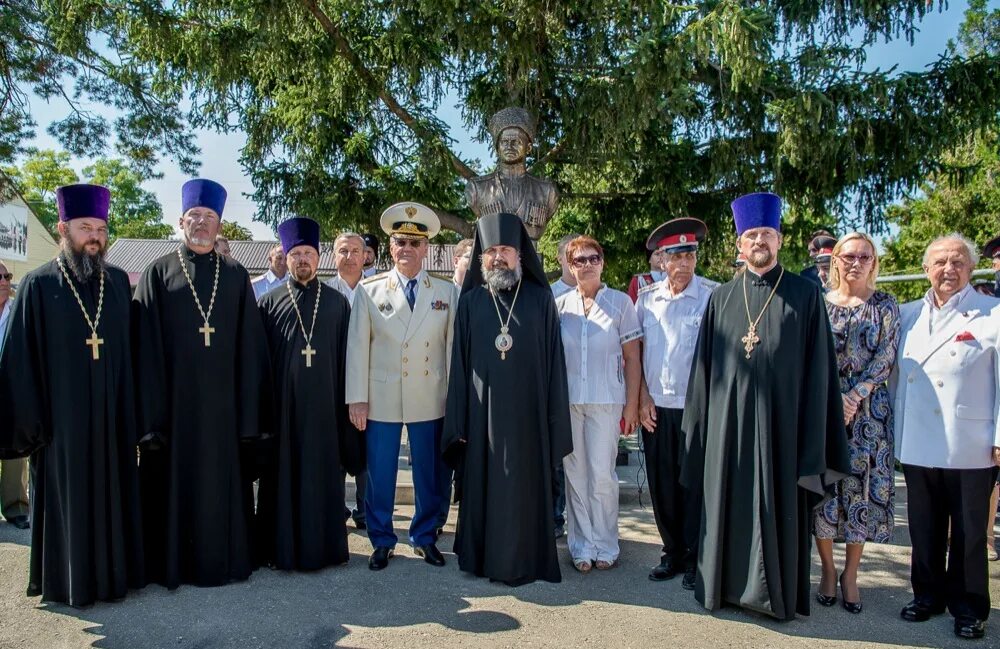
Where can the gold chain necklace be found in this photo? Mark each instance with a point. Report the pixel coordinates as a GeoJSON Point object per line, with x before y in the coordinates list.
{"type": "Point", "coordinates": [204, 329]}
{"type": "Point", "coordinates": [308, 352]}
{"type": "Point", "coordinates": [751, 338]}
{"type": "Point", "coordinates": [93, 341]}
{"type": "Point", "coordinates": [504, 341]}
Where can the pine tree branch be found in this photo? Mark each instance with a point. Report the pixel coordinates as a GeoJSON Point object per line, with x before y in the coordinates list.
{"type": "Point", "coordinates": [379, 89]}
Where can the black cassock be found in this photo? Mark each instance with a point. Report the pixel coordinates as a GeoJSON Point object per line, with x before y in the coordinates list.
{"type": "Point", "coordinates": [197, 404]}
{"type": "Point", "coordinates": [76, 416]}
{"type": "Point", "coordinates": [300, 508]}
{"type": "Point", "coordinates": [506, 427]}
{"type": "Point", "coordinates": [766, 438]}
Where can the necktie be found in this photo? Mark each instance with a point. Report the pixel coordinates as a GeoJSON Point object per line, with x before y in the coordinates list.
{"type": "Point", "coordinates": [411, 292]}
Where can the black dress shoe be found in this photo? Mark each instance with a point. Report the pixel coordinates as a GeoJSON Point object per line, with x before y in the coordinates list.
{"type": "Point", "coordinates": [430, 553]}
{"type": "Point", "coordinates": [379, 558]}
{"type": "Point", "coordinates": [967, 626]}
{"type": "Point", "coordinates": [360, 524]}
{"type": "Point", "coordinates": [850, 607]}
{"type": "Point", "coordinates": [666, 570]}
{"type": "Point", "coordinates": [690, 577]}
{"type": "Point", "coordinates": [20, 522]}
{"type": "Point", "coordinates": [920, 611]}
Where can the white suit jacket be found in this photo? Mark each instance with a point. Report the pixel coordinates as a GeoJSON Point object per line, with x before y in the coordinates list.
{"type": "Point", "coordinates": [946, 385]}
{"type": "Point", "coordinates": [397, 359]}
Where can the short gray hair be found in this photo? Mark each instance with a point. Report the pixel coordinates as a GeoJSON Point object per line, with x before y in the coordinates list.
{"type": "Point", "coordinates": [349, 235]}
{"type": "Point", "coordinates": [561, 247]}
{"type": "Point", "coordinates": [971, 249]}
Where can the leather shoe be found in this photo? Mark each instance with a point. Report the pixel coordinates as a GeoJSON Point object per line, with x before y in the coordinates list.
{"type": "Point", "coordinates": [20, 522]}
{"type": "Point", "coordinates": [850, 607]}
{"type": "Point", "coordinates": [967, 626]}
{"type": "Point", "coordinates": [666, 570]}
{"type": "Point", "coordinates": [380, 558]}
{"type": "Point", "coordinates": [690, 577]}
{"type": "Point", "coordinates": [430, 553]}
{"type": "Point", "coordinates": [920, 611]}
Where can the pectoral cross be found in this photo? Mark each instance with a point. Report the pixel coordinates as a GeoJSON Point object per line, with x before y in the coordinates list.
{"type": "Point", "coordinates": [750, 340]}
{"type": "Point", "coordinates": [309, 352]}
{"type": "Point", "coordinates": [94, 343]}
{"type": "Point", "coordinates": [208, 331]}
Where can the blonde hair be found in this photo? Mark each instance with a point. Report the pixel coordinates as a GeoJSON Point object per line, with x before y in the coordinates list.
{"type": "Point", "coordinates": [834, 281]}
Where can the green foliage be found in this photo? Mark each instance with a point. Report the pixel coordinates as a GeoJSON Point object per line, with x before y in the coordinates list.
{"type": "Point", "coordinates": [235, 232]}
{"type": "Point", "coordinates": [970, 207]}
{"type": "Point", "coordinates": [647, 110]}
{"type": "Point", "coordinates": [37, 179]}
{"type": "Point", "coordinates": [71, 54]}
{"type": "Point", "coordinates": [964, 194]}
{"type": "Point", "coordinates": [134, 212]}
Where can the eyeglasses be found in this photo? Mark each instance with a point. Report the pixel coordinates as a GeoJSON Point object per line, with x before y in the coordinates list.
{"type": "Point", "coordinates": [850, 260]}
{"type": "Point", "coordinates": [402, 243]}
{"type": "Point", "coordinates": [7, 276]}
{"type": "Point", "coordinates": [592, 260]}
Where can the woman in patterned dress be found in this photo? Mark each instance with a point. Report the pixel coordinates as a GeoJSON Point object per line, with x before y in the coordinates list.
{"type": "Point", "coordinates": [865, 324]}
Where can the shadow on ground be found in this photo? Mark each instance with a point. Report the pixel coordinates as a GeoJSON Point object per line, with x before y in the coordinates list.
{"type": "Point", "coordinates": [414, 604]}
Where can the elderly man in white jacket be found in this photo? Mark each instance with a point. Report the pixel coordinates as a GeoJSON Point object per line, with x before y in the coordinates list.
{"type": "Point", "coordinates": [947, 404]}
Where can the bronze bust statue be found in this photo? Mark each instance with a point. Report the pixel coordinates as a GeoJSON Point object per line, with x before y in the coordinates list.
{"type": "Point", "coordinates": [511, 188]}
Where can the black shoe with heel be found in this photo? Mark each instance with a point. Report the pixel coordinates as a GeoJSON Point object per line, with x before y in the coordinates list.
{"type": "Point", "coordinates": [850, 607]}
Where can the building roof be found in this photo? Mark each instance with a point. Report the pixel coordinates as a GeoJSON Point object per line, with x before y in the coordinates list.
{"type": "Point", "coordinates": [133, 255]}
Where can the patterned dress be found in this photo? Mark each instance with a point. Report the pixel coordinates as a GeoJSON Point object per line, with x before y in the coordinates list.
{"type": "Point", "coordinates": [861, 506]}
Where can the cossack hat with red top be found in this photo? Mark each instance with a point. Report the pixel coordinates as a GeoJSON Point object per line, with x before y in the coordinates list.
{"type": "Point", "coordinates": [83, 201]}
{"type": "Point", "coordinates": [677, 235]}
{"type": "Point", "coordinates": [823, 245]}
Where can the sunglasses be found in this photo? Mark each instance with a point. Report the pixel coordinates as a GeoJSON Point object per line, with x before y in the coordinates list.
{"type": "Point", "coordinates": [850, 260]}
{"type": "Point", "coordinates": [7, 276]}
{"type": "Point", "coordinates": [402, 243]}
{"type": "Point", "coordinates": [592, 260]}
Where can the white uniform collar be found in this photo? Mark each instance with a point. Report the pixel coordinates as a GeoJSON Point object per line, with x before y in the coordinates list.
{"type": "Point", "coordinates": [692, 290]}
{"type": "Point", "coordinates": [403, 279]}
{"type": "Point", "coordinates": [272, 278]}
{"type": "Point", "coordinates": [952, 302]}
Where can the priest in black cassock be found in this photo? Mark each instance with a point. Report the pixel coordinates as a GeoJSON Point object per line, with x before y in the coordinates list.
{"type": "Point", "coordinates": [202, 367]}
{"type": "Point", "coordinates": [506, 424]}
{"type": "Point", "coordinates": [301, 498]}
{"type": "Point", "coordinates": [764, 425]}
{"type": "Point", "coordinates": [67, 396]}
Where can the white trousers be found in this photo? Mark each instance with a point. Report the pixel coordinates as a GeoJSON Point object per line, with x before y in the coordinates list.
{"type": "Point", "coordinates": [592, 484]}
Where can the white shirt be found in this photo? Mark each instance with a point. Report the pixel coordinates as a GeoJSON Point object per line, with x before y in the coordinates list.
{"type": "Point", "coordinates": [4, 323]}
{"type": "Point", "coordinates": [559, 287]}
{"type": "Point", "coordinates": [404, 280]}
{"type": "Point", "coordinates": [941, 316]}
{"type": "Point", "coordinates": [593, 344]}
{"type": "Point", "coordinates": [670, 325]}
{"type": "Point", "coordinates": [264, 283]}
{"type": "Point", "coordinates": [345, 289]}
{"type": "Point", "coordinates": [368, 272]}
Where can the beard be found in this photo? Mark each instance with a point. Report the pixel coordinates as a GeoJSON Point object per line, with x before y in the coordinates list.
{"type": "Point", "coordinates": [760, 257]}
{"type": "Point", "coordinates": [304, 273]}
{"type": "Point", "coordinates": [83, 265]}
{"type": "Point", "coordinates": [502, 278]}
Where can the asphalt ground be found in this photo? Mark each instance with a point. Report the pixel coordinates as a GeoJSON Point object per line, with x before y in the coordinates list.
{"type": "Point", "coordinates": [414, 605]}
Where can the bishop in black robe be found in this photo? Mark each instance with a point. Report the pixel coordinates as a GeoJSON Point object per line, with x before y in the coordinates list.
{"type": "Point", "coordinates": [507, 422]}
{"type": "Point", "coordinates": [75, 416]}
{"type": "Point", "coordinates": [197, 404]}
{"type": "Point", "coordinates": [301, 498]}
{"type": "Point", "coordinates": [765, 438]}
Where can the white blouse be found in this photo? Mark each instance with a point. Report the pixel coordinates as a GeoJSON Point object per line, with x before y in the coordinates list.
{"type": "Point", "coordinates": [593, 345]}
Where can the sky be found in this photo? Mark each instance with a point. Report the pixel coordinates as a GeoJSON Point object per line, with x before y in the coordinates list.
{"type": "Point", "coordinates": [220, 153]}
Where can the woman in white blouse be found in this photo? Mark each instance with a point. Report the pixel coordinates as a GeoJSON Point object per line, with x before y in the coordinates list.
{"type": "Point", "coordinates": [600, 333]}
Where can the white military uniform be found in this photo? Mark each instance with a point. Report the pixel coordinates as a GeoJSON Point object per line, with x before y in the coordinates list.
{"type": "Point", "coordinates": [670, 325]}
{"type": "Point", "coordinates": [947, 382]}
{"type": "Point", "coordinates": [263, 284]}
{"type": "Point", "coordinates": [946, 395]}
{"type": "Point", "coordinates": [397, 359]}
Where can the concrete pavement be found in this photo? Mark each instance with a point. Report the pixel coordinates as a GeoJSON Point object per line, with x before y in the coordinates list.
{"type": "Point", "coordinates": [414, 605]}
